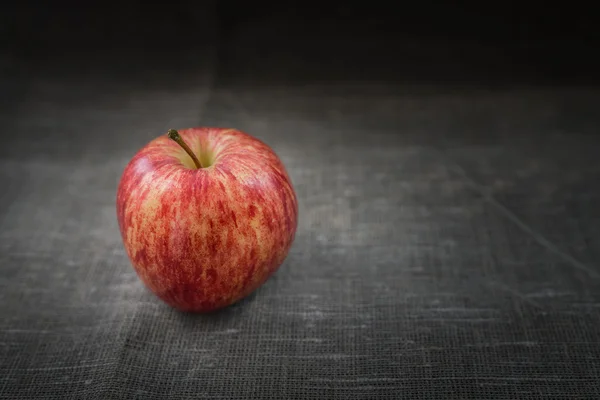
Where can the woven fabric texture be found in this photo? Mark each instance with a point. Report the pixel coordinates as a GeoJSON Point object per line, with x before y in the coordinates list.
{"type": "Point", "coordinates": [448, 243]}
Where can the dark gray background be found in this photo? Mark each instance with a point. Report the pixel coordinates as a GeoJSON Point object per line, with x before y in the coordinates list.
{"type": "Point", "coordinates": [449, 235]}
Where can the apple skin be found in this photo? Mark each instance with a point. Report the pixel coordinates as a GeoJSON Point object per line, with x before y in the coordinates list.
{"type": "Point", "coordinates": [203, 239]}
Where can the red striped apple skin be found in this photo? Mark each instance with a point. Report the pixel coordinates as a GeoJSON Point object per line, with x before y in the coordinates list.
{"type": "Point", "coordinates": [203, 239]}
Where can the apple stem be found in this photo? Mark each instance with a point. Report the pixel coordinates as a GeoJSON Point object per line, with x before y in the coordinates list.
{"type": "Point", "coordinates": [174, 135]}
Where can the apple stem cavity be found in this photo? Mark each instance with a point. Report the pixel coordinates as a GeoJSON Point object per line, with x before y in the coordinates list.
{"type": "Point", "coordinates": [174, 135]}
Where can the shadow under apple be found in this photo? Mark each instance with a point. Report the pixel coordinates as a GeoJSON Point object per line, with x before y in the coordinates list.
{"type": "Point", "coordinates": [221, 315]}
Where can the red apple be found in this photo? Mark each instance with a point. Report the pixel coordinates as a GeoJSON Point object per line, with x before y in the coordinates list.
{"type": "Point", "coordinates": [207, 215]}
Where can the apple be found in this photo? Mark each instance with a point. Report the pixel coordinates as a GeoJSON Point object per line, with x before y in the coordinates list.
{"type": "Point", "coordinates": [207, 216]}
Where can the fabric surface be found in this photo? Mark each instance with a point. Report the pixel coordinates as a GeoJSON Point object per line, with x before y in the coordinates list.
{"type": "Point", "coordinates": [448, 243]}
